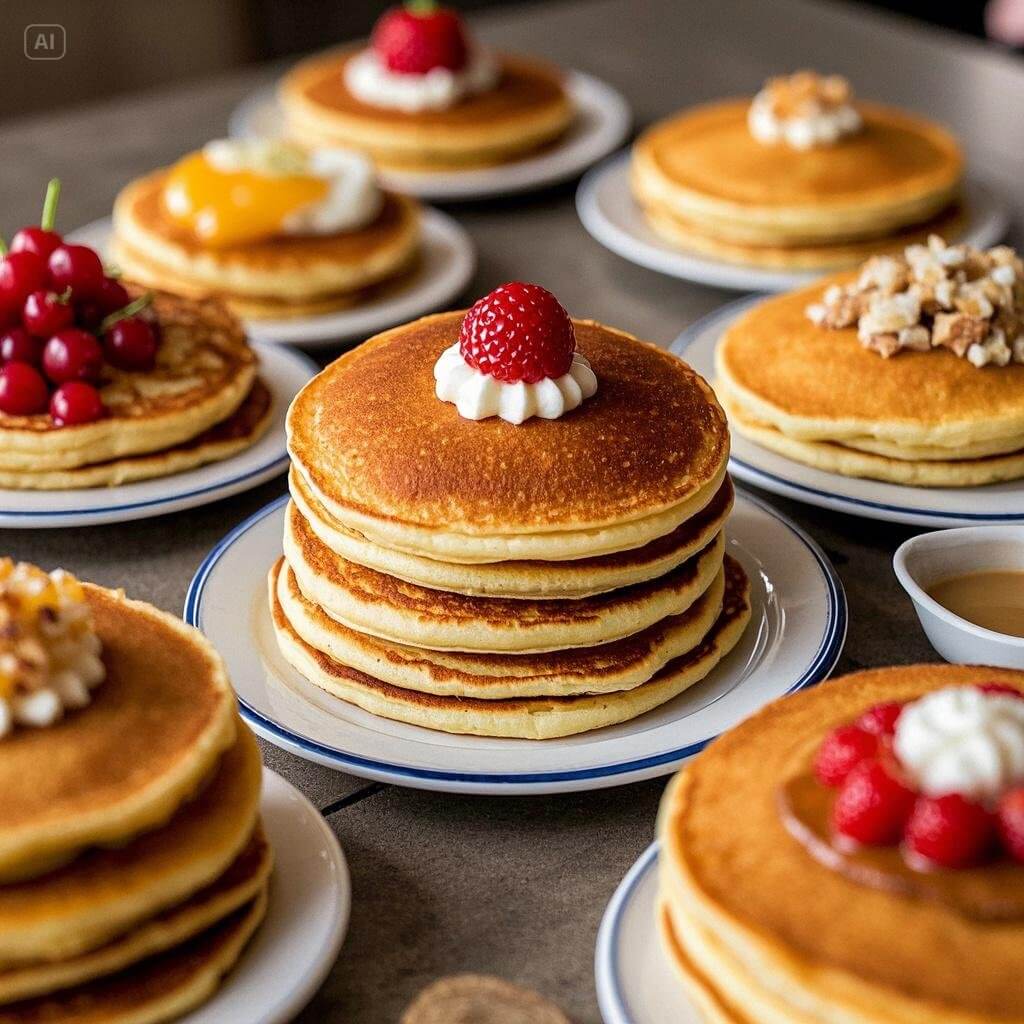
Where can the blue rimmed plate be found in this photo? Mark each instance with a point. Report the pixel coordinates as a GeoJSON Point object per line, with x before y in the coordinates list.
{"type": "Point", "coordinates": [794, 639]}
{"type": "Point", "coordinates": [284, 372]}
{"type": "Point", "coordinates": [873, 499]}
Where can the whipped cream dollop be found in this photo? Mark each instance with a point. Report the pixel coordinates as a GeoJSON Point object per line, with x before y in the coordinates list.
{"type": "Point", "coordinates": [804, 110]}
{"type": "Point", "coordinates": [49, 651]}
{"type": "Point", "coordinates": [478, 396]}
{"type": "Point", "coordinates": [372, 82]}
{"type": "Point", "coordinates": [353, 198]}
{"type": "Point", "coordinates": [962, 740]}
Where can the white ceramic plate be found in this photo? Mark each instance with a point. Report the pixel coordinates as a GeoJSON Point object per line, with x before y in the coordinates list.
{"type": "Point", "coordinates": [608, 211]}
{"type": "Point", "coordinates": [284, 371]}
{"type": "Point", "coordinates": [636, 982]}
{"type": "Point", "coordinates": [794, 639]}
{"type": "Point", "coordinates": [448, 261]}
{"type": "Point", "coordinates": [602, 123]}
{"type": "Point", "coordinates": [873, 499]}
{"type": "Point", "coordinates": [307, 917]}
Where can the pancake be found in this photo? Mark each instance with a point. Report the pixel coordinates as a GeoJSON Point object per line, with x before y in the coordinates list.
{"type": "Point", "coordinates": [372, 602]}
{"type": "Point", "coordinates": [706, 167]}
{"type": "Point", "coordinates": [387, 459]}
{"type": "Point", "coordinates": [840, 458]}
{"type": "Point", "coordinates": [733, 875]}
{"type": "Point", "coordinates": [105, 892]}
{"type": "Point", "coordinates": [582, 577]}
{"type": "Point", "coordinates": [527, 109]}
{"type": "Point", "coordinates": [243, 881]}
{"type": "Point", "coordinates": [535, 718]}
{"type": "Point", "coordinates": [818, 384]}
{"type": "Point", "coordinates": [204, 370]}
{"type": "Point", "coordinates": [154, 729]}
{"type": "Point", "coordinates": [242, 429]}
{"type": "Point", "coordinates": [821, 256]}
{"type": "Point", "coordinates": [161, 988]}
{"type": "Point", "coordinates": [283, 270]}
{"type": "Point", "coordinates": [620, 665]}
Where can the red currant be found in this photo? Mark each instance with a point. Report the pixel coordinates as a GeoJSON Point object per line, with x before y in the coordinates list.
{"type": "Point", "coordinates": [76, 267]}
{"type": "Point", "coordinates": [112, 296]}
{"type": "Point", "coordinates": [18, 346]}
{"type": "Point", "coordinates": [21, 273]}
{"type": "Point", "coordinates": [23, 391]}
{"type": "Point", "coordinates": [75, 402]}
{"type": "Point", "coordinates": [37, 240]}
{"type": "Point", "coordinates": [72, 354]}
{"type": "Point", "coordinates": [46, 314]}
{"type": "Point", "coordinates": [131, 344]}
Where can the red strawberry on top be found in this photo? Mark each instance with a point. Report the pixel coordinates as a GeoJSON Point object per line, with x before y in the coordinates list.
{"type": "Point", "coordinates": [872, 806]}
{"type": "Point", "coordinates": [950, 831]}
{"type": "Point", "coordinates": [1011, 823]}
{"type": "Point", "coordinates": [881, 718]}
{"type": "Point", "coordinates": [1000, 689]}
{"type": "Point", "coordinates": [841, 751]}
{"type": "Point", "coordinates": [419, 37]}
{"type": "Point", "coordinates": [519, 332]}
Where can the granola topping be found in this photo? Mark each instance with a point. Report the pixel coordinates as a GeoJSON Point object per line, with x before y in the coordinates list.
{"type": "Point", "coordinates": [804, 110]}
{"type": "Point", "coordinates": [967, 300]}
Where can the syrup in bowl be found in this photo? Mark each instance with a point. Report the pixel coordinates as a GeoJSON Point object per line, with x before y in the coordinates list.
{"type": "Point", "coordinates": [992, 599]}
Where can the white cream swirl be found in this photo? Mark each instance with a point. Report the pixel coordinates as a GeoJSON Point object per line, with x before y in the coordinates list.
{"type": "Point", "coordinates": [372, 82]}
{"type": "Point", "coordinates": [962, 740]}
{"type": "Point", "coordinates": [478, 396]}
{"type": "Point", "coordinates": [804, 110]}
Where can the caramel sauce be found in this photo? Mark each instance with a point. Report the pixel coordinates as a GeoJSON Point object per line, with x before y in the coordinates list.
{"type": "Point", "coordinates": [993, 600]}
{"type": "Point", "coordinates": [993, 892]}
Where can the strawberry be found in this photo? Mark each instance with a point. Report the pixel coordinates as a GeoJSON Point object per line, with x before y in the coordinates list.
{"type": "Point", "coordinates": [880, 720]}
{"type": "Point", "coordinates": [841, 751]}
{"type": "Point", "coordinates": [1011, 822]}
{"type": "Point", "coordinates": [872, 805]}
{"type": "Point", "coordinates": [1000, 690]}
{"type": "Point", "coordinates": [419, 37]}
{"type": "Point", "coordinates": [950, 831]}
{"type": "Point", "coordinates": [519, 332]}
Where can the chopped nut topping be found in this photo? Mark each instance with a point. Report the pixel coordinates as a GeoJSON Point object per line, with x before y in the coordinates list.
{"type": "Point", "coordinates": [969, 301]}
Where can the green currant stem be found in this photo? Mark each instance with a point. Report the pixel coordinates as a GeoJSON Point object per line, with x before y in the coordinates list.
{"type": "Point", "coordinates": [421, 7]}
{"type": "Point", "coordinates": [50, 204]}
{"type": "Point", "coordinates": [133, 307]}
{"type": "Point", "coordinates": [3, 247]}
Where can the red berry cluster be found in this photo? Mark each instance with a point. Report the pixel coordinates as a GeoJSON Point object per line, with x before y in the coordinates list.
{"type": "Point", "coordinates": [419, 37]}
{"type": "Point", "coordinates": [876, 805]}
{"type": "Point", "coordinates": [62, 317]}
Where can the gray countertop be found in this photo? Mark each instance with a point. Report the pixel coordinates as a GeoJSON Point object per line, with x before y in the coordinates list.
{"type": "Point", "coordinates": [516, 886]}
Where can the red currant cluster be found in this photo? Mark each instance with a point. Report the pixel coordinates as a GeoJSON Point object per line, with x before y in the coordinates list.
{"type": "Point", "coordinates": [876, 805]}
{"type": "Point", "coordinates": [62, 317]}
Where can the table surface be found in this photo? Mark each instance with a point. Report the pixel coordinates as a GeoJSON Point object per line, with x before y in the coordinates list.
{"type": "Point", "coordinates": [516, 886]}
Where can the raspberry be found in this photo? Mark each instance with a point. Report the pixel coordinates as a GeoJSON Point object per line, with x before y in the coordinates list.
{"type": "Point", "coordinates": [520, 332]}
{"type": "Point", "coordinates": [415, 39]}
{"type": "Point", "coordinates": [841, 751]}
{"type": "Point", "coordinates": [950, 831]}
{"type": "Point", "coordinates": [1011, 823]}
{"type": "Point", "coordinates": [872, 805]}
{"type": "Point", "coordinates": [1000, 690]}
{"type": "Point", "coordinates": [881, 719]}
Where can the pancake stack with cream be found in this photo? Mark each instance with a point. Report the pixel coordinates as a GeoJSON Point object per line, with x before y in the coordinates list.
{"type": "Point", "coordinates": [855, 853]}
{"type": "Point", "coordinates": [507, 523]}
{"type": "Point", "coordinates": [909, 371]}
{"type": "Point", "coordinates": [800, 177]}
{"type": "Point", "coordinates": [133, 868]}
{"type": "Point", "coordinates": [272, 229]}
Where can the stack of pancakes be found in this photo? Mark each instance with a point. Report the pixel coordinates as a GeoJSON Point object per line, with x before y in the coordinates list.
{"type": "Point", "coordinates": [133, 868]}
{"type": "Point", "coordinates": [203, 402]}
{"type": "Point", "coordinates": [818, 396]}
{"type": "Point", "coordinates": [707, 185]}
{"type": "Point", "coordinates": [761, 930]}
{"type": "Point", "coordinates": [525, 581]}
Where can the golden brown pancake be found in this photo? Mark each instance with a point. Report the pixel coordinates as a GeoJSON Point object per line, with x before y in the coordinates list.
{"type": "Point", "coordinates": [154, 729]}
{"type": "Point", "coordinates": [387, 458]}
{"type": "Point", "coordinates": [528, 108]}
{"type": "Point", "coordinates": [482, 1000]}
{"type": "Point", "coordinates": [104, 893]}
{"type": "Point", "coordinates": [526, 718]}
{"type": "Point", "coordinates": [204, 370]}
{"type": "Point", "coordinates": [733, 875]}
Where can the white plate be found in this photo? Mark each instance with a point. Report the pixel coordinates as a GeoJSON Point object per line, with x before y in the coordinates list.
{"type": "Point", "coordinates": [448, 262]}
{"type": "Point", "coordinates": [873, 499]}
{"type": "Point", "coordinates": [794, 639]}
{"type": "Point", "coordinates": [636, 982]}
{"type": "Point", "coordinates": [283, 371]}
{"type": "Point", "coordinates": [298, 942]}
{"type": "Point", "coordinates": [609, 212]}
{"type": "Point", "coordinates": [602, 122]}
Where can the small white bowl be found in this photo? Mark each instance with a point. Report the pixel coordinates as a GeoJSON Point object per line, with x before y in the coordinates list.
{"type": "Point", "coordinates": [924, 560]}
